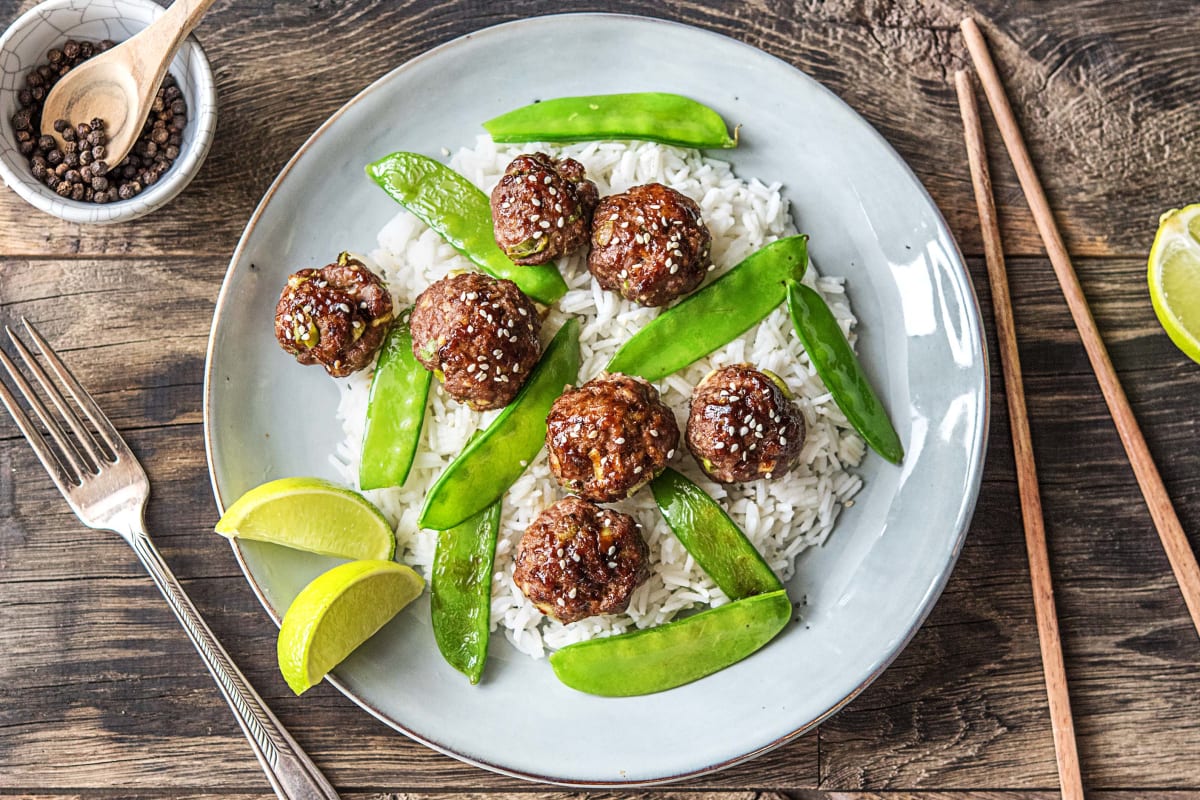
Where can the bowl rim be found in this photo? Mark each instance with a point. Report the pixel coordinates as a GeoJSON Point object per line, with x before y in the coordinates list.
{"type": "Point", "coordinates": [204, 116]}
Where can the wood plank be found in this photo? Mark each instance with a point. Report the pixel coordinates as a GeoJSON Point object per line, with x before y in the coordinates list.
{"type": "Point", "coordinates": [962, 706]}
{"type": "Point", "coordinates": [1098, 120]}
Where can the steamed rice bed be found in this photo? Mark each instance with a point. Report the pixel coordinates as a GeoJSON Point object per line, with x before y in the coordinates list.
{"type": "Point", "coordinates": [782, 516]}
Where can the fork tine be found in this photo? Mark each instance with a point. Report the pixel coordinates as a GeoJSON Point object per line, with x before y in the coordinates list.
{"type": "Point", "coordinates": [86, 443]}
{"type": "Point", "coordinates": [104, 427]}
{"type": "Point", "coordinates": [44, 453]}
{"type": "Point", "coordinates": [66, 450]}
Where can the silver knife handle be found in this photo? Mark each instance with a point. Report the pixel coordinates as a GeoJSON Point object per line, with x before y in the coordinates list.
{"type": "Point", "coordinates": [291, 772]}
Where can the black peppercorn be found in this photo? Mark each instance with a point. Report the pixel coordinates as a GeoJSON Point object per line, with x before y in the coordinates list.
{"type": "Point", "coordinates": [71, 159]}
{"type": "Point", "coordinates": [77, 191]}
{"type": "Point", "coordinates": [55, 55]}
{"type": "Point", "coordinates": [20, 120]}
{"type": "Point", "coordinates": [126, 191]}
{"type": "Point", "coordinates": [63, 188]}
{"type": "Point", "coordinates": [99, 183]}
{"type": "Point", "coordinates": [53, 156]}
{"type": "Point", "coordinates": [86, 49]}
{"type": "Point", "coordinates": [99, 167]}
{"type": "Point", "coordinates": [71, 49]}
{"type": "Point", "coordinates": [60, 125]}
{"type": "Point", "coordinates": [24, 98]}
{"type": "Point", "coordinates": [26, 147]}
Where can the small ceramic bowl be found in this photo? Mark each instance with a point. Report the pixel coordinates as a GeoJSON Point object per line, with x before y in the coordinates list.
{"type": "Point", "coordinates": [24, 46]}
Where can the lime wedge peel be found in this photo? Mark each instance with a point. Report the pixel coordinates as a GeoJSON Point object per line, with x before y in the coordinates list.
{"type": "Point", "coordinates": [337, 612]}
{"type": "Point", "coordinates": [1174, 277]}
{"type": "Point", "coordinates": [310, 514]}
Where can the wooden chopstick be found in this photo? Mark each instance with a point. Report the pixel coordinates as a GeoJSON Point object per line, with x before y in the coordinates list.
{"type": "Point", "coordinates": [1170, 531]}
{"type": "Point", "coordinates": [1031, 500]}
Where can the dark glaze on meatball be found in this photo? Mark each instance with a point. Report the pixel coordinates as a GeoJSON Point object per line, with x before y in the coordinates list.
{"type": "Point", "coordinates": [609, 437]}
{"type": "Point", "coordinates": [577, 560]}
{"type": "Point", "coordinates": [336, 316]}
{"type": "Point", "coordinates": [479, 337]}
{"type": "Point", "coordinates": [743, 425]}
{"type": "Point", "coordinates": [542, 208]}
{"type": "Point", "coordinates": [649, 244]}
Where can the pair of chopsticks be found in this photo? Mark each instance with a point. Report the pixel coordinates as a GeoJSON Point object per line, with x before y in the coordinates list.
{"type": "Point", "coordinates": [1170, 531]}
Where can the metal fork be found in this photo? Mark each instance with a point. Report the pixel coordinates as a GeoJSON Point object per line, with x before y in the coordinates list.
{"type": "Point", "coordinates": [107, 489]}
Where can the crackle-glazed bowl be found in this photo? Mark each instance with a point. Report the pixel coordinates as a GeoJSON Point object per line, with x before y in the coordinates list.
{"type": "Point", "coordinates": [46, 25]}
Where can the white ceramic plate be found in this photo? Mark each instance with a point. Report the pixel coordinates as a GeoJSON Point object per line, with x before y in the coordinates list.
{"type": "Point", "coordinates": [868, 589]}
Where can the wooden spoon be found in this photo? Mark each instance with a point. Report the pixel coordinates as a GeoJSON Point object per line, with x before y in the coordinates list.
{"type": "Point", "coordinates": [119, 85]}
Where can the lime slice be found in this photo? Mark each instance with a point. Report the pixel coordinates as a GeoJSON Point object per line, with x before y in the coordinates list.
{"type": "Point", "coordinates": [1175, 277]}
{"type": "Point", "coordinates": [337, 612]}
{"type": "Point", "coordinates": [310, 514]}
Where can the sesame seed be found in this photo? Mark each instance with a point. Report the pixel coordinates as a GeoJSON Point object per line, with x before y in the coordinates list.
{"type": "Point", "coordinates": [718, 445]}
{"type": "Point", "coordinates": [553, 191]}
{"type": "Point", "coordinates": [743, 431]}
{"type": "Point", "coordinates": [537, 234]}
{"type": "Point", "coordinates": [620, 440]}
{"type": "Point", "coordinates": [670, 454]}
{"type": "Point", "coordinates": [575, 557]}
{"type": "Point", "coordinates": [653, 432]}
{"type": "Point", "coordinates": [733, 448]}
{"type": "Point", "coordinates": [561, 602]}
{"type": "Point", "coordinates": [571, 594]}
{"type": "Point", "coordinates": [544, 223]}
{"type": "Point", "coordinates": [546, 180]}
{"type": "Point", "coordinates": [612, 565]}
{"type": "Point", "coordinates": [470, 367]}
{"type": "Point", "coordinates": [783, 440]}
{"type": "Point", "coordinates": [561, 222]}
{"type": "Point", "coordinates": [536, 202]}
{"type": "Point", "coordinates": [637, 470]}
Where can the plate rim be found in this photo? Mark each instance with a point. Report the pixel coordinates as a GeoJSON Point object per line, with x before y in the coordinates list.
{"type": "Point", "coordinates": [962, 518]}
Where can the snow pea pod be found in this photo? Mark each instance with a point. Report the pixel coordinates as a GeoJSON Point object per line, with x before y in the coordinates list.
{"type": "Point", "coordinates": [715, 315]}
{"type": "Point", "coordinates": [838, 367]}
{"type": "Point", "coordinates": [657, 659]}
{"type": "Point", "coordinates": [395, 411]}
{"type": "Point", "coordinates": [492, 461]}
{"type": "Point", "coordinates": [717, 544]}
{"type": "Point", "coordinates": [462, 215]}
{"type": "Point", "coordinates": [653, 116]}
{"type": "Point", "coordinates": [461, 591]}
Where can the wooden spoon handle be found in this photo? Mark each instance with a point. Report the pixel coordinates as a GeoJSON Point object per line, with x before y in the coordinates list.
{"type": "Point", "coordinates": [168, 31]}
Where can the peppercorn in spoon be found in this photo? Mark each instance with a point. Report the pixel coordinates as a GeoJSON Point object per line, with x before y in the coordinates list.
{"type": "Point", "coordinates": [118, 86]}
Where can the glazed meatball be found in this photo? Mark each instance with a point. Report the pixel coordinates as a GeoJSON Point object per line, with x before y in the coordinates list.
{"type": "Point", "coordinates": [542, 208]}
{"type": "Point", "coordinates": [336, 316]}
{"type": "Point", "coordinates": [649, 244]}
{"type": "Point", "coordinates": [609, 437]}
{"type": "Point", "coordinates": [577, 560]}
{"type": "Point", "coordinates": [479, 337]}
{"type": "Point", "coordinates": [743, 425]}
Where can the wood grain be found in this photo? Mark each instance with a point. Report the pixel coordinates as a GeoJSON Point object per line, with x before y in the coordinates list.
{"type": "Point", "coordinates": [102, 697]}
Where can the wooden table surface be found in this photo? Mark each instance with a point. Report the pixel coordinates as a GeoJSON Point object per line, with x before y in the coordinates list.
{"type": "Point", "coordinates": [101, 695]}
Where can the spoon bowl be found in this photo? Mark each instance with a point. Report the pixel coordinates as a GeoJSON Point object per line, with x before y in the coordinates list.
{"type": "Point", "coordinates": [118, 86]}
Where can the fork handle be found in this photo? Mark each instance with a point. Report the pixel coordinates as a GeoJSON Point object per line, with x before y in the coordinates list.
{"type": "Point", "coordinates": [291, 772]}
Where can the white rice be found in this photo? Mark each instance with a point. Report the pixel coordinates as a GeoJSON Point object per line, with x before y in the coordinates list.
{"type": "Point", "coordinates": [783, 516]}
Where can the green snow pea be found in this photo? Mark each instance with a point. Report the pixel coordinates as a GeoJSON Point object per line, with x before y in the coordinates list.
{"type": "Point", "coordinates": [462, 215]}
{"type": "Point", "coordinates": [395, 411]}
{"type": "Point", "coordinates": [715, 315]}
{"type": "Point", "coordinates": [654, 116]}
{"type": "Point", "coordinates": [718, 546]}
{"type": "Point", "coordinates": [657, 659]}
{"type": "Point", "coordinates": [838, 367]}
{"type": "Point", "coordinates": [492, 461]}
{"type": "Point", "coordinates": [461, 591]}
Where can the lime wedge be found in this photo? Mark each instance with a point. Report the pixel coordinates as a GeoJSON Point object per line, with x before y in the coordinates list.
{"type": "Point", "coordinates": [337, 612]}
{"type": "Point", "coordinates": [310, 514]}
{"type": "Point", "coordinates": [1175, 277]}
